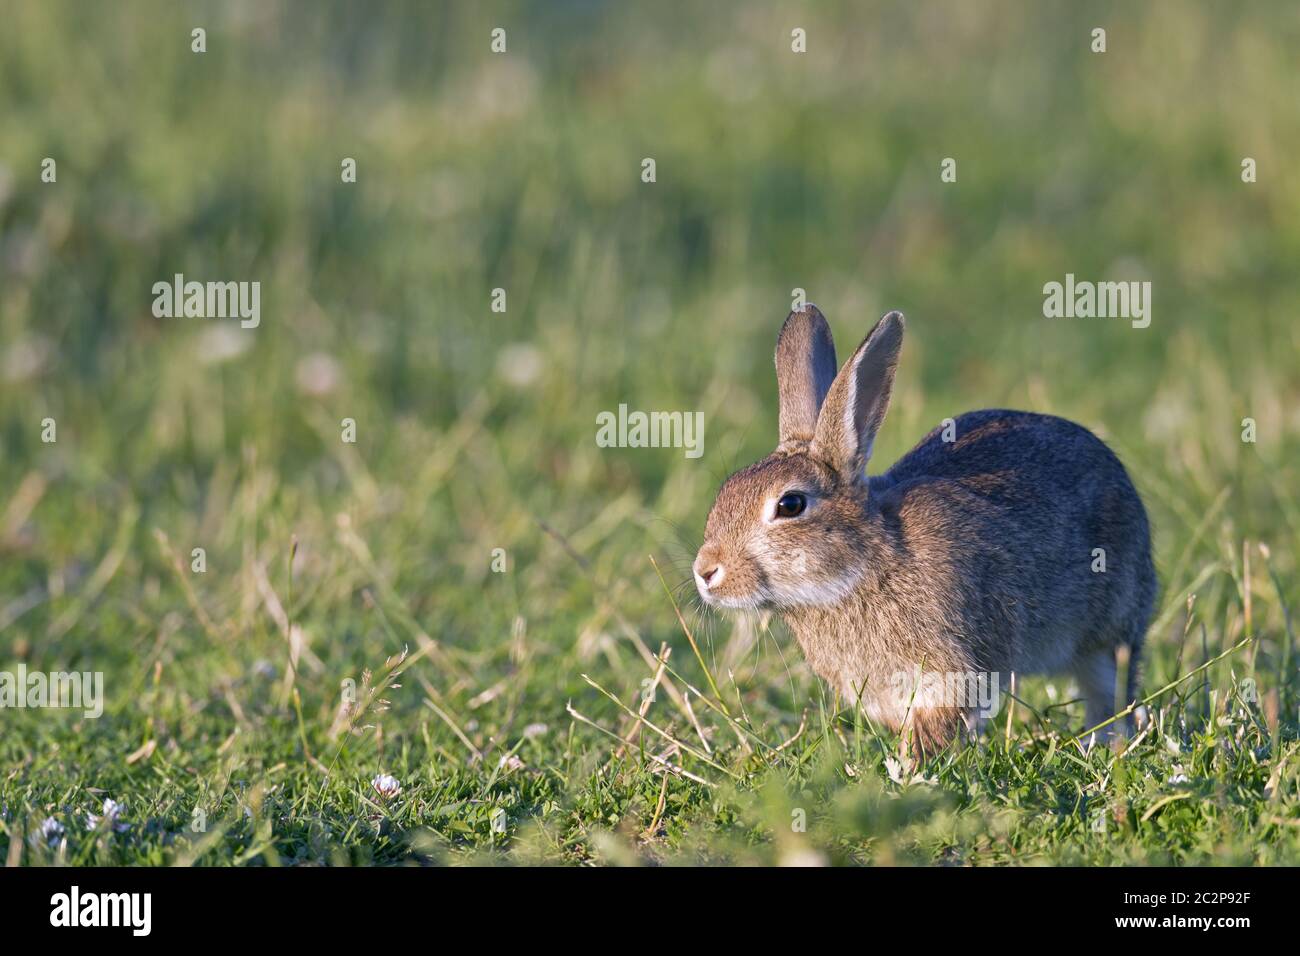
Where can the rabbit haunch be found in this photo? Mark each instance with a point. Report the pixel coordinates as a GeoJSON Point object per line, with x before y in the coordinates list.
{"type": "Point", "coordinates": [968, 556]}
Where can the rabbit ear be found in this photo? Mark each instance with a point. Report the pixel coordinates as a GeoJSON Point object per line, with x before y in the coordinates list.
{"type": "Point", "coordinates": [805, 368]}
{"type": "Point", "coordinates": [856, 404]}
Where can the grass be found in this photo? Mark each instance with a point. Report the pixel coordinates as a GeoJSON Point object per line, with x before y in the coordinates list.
{"type": "Point", "coordinates": [350, 621]}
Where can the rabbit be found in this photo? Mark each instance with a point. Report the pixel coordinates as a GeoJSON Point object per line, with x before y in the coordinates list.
{"type": "Point", "coordinates": [970, 556]}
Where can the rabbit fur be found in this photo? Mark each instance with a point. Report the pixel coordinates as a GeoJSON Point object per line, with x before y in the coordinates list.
{"type": "Point", "coordinates": [973, 555]}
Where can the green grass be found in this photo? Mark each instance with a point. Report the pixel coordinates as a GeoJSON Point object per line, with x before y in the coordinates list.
{"type": "Point", "coordinates": [475, 429]}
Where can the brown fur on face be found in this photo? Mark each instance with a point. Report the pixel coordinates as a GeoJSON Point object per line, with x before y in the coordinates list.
{"type": "Point", "coordinates": [781, 563]}
{"type": "Point", "coordinates": [970, 556]}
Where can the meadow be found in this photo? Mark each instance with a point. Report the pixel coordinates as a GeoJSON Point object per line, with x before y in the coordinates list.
{"type": "Point", "coordinates": [471, 596]}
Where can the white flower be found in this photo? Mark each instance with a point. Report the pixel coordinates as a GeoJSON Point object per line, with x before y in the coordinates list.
{"type": "Point", "coordinates": [220, 343]}
{"type": "Point", "coordinates": [51, 831]}
{"type": "Point", "coordinates": [520, 364]}
{"type": "Point", "coordinates": [511, 762]}
{"type": "Point", "coordinates": [801, 856]}
{"type": "Point", "coordinates": [112, 810]}
{"type": "Point", "coordinates": [317, 374]}
{"type": "Point", "coordinates": [535, 730]}
{"type": "Point", "coordinates": [386, 786]}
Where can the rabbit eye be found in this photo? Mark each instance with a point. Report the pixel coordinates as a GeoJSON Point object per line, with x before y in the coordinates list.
{"type": "Point", "coordinates": [791, 505]}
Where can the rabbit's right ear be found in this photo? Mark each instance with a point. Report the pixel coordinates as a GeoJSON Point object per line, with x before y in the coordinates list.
{"type": "Point", "coordinates": [805, 369]}
{"type": "Point", "coordinates": [856, 405]}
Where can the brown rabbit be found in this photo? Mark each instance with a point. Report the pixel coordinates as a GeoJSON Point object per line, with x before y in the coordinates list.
{"type": "Point", "coordinates": [1016, 545]}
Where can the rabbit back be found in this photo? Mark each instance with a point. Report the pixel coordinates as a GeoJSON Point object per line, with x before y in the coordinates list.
{"type": "Point", "coordinates": [1035, 522]}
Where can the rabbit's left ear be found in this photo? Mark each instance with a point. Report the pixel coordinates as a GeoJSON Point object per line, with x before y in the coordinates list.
{"type": "Point", "coordinates": [805, 368]}
{"type": "Point", "coordinates": [856, 404]}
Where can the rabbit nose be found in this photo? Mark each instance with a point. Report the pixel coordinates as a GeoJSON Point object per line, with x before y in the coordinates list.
{"type": "Point", "coordinates": [709, 572]}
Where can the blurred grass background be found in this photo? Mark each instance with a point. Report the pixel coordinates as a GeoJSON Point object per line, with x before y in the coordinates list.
{"type": "Point", "coordinates": [475, 429]}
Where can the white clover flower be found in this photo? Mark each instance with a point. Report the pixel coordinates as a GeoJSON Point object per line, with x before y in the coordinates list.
{"type": "Point", "coordinates": [51, 831]}
{"type": "Point", "coordinates": [535, 730]}
{"type": "Point", "coordinates": [386, 786]}
{"type": "Point", "coordinates": [111, 811]}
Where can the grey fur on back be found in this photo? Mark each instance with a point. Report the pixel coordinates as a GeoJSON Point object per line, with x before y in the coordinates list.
{"type": "Point", "coordinates": [1036, 526]}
